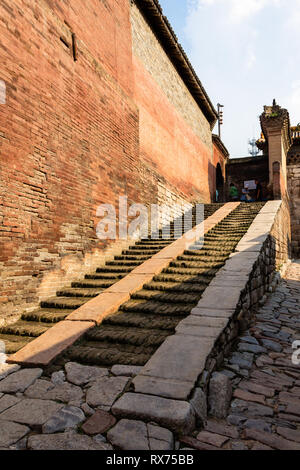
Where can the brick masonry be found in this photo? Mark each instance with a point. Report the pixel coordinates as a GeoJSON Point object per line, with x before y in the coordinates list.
{"type": "Point", "coordinates": [78, 133]}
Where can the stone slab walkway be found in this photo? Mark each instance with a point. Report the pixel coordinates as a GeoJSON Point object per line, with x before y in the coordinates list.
{"type": "Point", "coordinates": [259, 407]}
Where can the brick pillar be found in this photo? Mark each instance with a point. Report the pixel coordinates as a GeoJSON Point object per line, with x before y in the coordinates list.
{"type": "Point", "coordinates": [275, 124]}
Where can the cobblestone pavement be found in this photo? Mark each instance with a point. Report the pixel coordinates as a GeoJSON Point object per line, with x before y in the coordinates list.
{"type": "Point", "coordinates": [264, 410]}
{"type": "Point", "coordinates": [255, 400]}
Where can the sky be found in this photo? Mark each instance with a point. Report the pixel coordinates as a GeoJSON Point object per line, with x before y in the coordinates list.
{"type": "Point", "coordinates": [246, 53]}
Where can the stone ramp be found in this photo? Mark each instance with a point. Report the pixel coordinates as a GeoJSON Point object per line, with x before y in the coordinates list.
{"type": "Point", "coordinates": [133, 334]}
{"type": "Point", "coordinates": [33, 324]}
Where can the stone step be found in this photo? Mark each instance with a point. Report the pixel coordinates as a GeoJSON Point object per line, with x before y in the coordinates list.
{"type": "Point", "coordinates": [124, 263]}
{"type": "Point", "coordinates": [51, 315]}
{"type": "Point", "coordinates": [190, 271]}
{"type": "Point", "coordinates": [25, 328]}
{"type": "Point", "coordinates": [143, 320]}
{"type": "Point", "coordinates": [14, 343]}
{"type": "Point", "coordinates": [141, 258]}
{"type": "Point", "coordinates": [204, 258]}
{"type": "Point", "coordinates": [135, 336]}
{"type": "Point", "coordinates": [172, 298]}
{"type": "Point", "coordinates": [148, 253]}
{"type": "Point", "coordinates": [107, 356]}
{"type": "Point", "coordinates": [90, 284]}
{"type": "Point", "coordinates": [160, 308]}
{"type": "Point", "coordinates": [64, 302]}
{"type": "Point", "coordinates": [182, 278]}
{"type": "Point", "coordinates": [196, 264]}
{"type": "Point", "coordinates": [77, 292]}
{"type": "Point", "coordinates": [176, 287]}
{"type": "Point", "coordinates": [114, 277]}
{"type": "Point", "coordinates": [116, 270]}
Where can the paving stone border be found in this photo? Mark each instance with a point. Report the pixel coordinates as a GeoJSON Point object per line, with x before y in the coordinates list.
{"type": "Point", "coordinates": [44, 349]}
{"type": "Point", "coordinates": [187, 360]}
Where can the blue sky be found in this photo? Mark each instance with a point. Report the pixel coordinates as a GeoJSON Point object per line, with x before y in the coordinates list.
{"type": "Point", "coordinates": [245, 52]}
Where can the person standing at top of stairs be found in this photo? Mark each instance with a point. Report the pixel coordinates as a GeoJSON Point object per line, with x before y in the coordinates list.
{"type": "Point", "coordinates": [233, 192]}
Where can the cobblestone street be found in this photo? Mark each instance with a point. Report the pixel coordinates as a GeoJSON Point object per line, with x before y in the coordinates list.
{"type": "Point", "coordinates": [264, 412]}
{"type": "Point", "coordinates": [256, 404]}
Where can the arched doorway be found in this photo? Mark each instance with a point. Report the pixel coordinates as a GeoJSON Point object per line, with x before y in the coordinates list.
{"type": "Point", "coordinates": [219, 184]}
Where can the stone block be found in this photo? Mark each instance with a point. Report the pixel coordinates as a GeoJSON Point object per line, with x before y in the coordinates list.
{"type": "Point", "coordinates": [179, 358]}
{"type": "Point", "coordinates": [172, 414]}
{"type": "Point", "coordinates": [220, 393]}
{"type": "Point", "coordinates": [166, 388]}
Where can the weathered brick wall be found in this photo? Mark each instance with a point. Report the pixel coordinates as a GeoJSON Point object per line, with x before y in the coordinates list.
{"type": "Point", "coordinates": [293, 172]}
{"type": "Point", "coordinates": [68, 140]}
{"type": "Point", "coordinates": [175, 137]}
{"type": "Point", "coordinates": [75, 134]}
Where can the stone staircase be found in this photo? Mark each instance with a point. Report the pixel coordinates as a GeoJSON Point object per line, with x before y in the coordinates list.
{"type": "Point", "coordinates": [142, 324]}
{"type": "Point", "coordinates": [35, 323]}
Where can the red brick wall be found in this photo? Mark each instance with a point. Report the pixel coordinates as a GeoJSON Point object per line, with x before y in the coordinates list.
{"type": "Point", "coordinates": [168, 146]}
{"type": "Point", "coordinates": [68, 136]}
{"type": "Point", "coordinates": [74, 135]}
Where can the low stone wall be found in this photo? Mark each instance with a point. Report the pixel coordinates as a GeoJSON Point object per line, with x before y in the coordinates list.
{"type": "Point", "coordinates": [266, 246]}
{"type": "Point", "coordinates": [172, 387]}
{"type": "Point", "coordinates": [293, 170]}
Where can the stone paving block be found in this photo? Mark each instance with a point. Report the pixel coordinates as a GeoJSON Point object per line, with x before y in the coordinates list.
{"type": "Point", "coordinates": [222, 428]}
{"type": "Point", "coordinates": [220, 298]}
{"type": "Point", "coordinates": [198, 445]}
{"type": "Point", "coordinates": [78, 374]}
{"type": "Point", "coordinates": [100, 307]}
{"type": "Point", "coordinates": [179, 358]}
{"type": "Point", "coordinates": [31, 412]}
{"type": "Point", "coordinates": [65, 393]}
{"type": "Point", "coordinates": [240, 263]}
{"type": "Point", "coordinates": [127, 371]}
{"type": "Point", "coordinates": [99, 423]}
{"type": "Point", "coordinates": [172, 414]}
{"type": "Point", "coordinates": [160, 438]}
{"type": "Point", "coordinates": [39, 389]}
{"type": "Point", "coordinates": [10, 433]}
{"type": "Point", "coordinates": [199, 405]}
{"type": "Point", "coordinates": [201, 331]}
{"type": "Point", "coordinates": [7, 401]}
{"type": "Point", "coordinates": [105, 391]}
{"type": "Point", "coordinates": [213, 313]}
{"type": "Point", "coordinates": [129, 435]}
{"type": "Point", "coordinates": [19, 381]}
{"type": "Point", "coordinates": [212, 438]}
{"type": "Point", "coordinates": [65, 441]}
{"type": "Point", "coordinates": [166, 388]}
{"type": "Point", "coordinates": [271, 440]}
{"type": "Point", "coordinates": [7, 369]}
{"type": "Point", "coordinates": [220, 393]}
{"type": "Point", "coordinates": [42, 350]}
{"type": "Point", "coordinates": [208, 322]}
{"type": "Point", "coordinates": [67, 417]}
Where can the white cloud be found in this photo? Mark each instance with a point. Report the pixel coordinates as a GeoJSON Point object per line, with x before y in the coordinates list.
{"type": "Point", "coordinates": [246, 52]}
{"type": "Point", "coordinates": [251, 58]}
{"type": "Point", "coordinates": [293, 102]}
{"type": "Point", "coordinates": [239, 10]}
